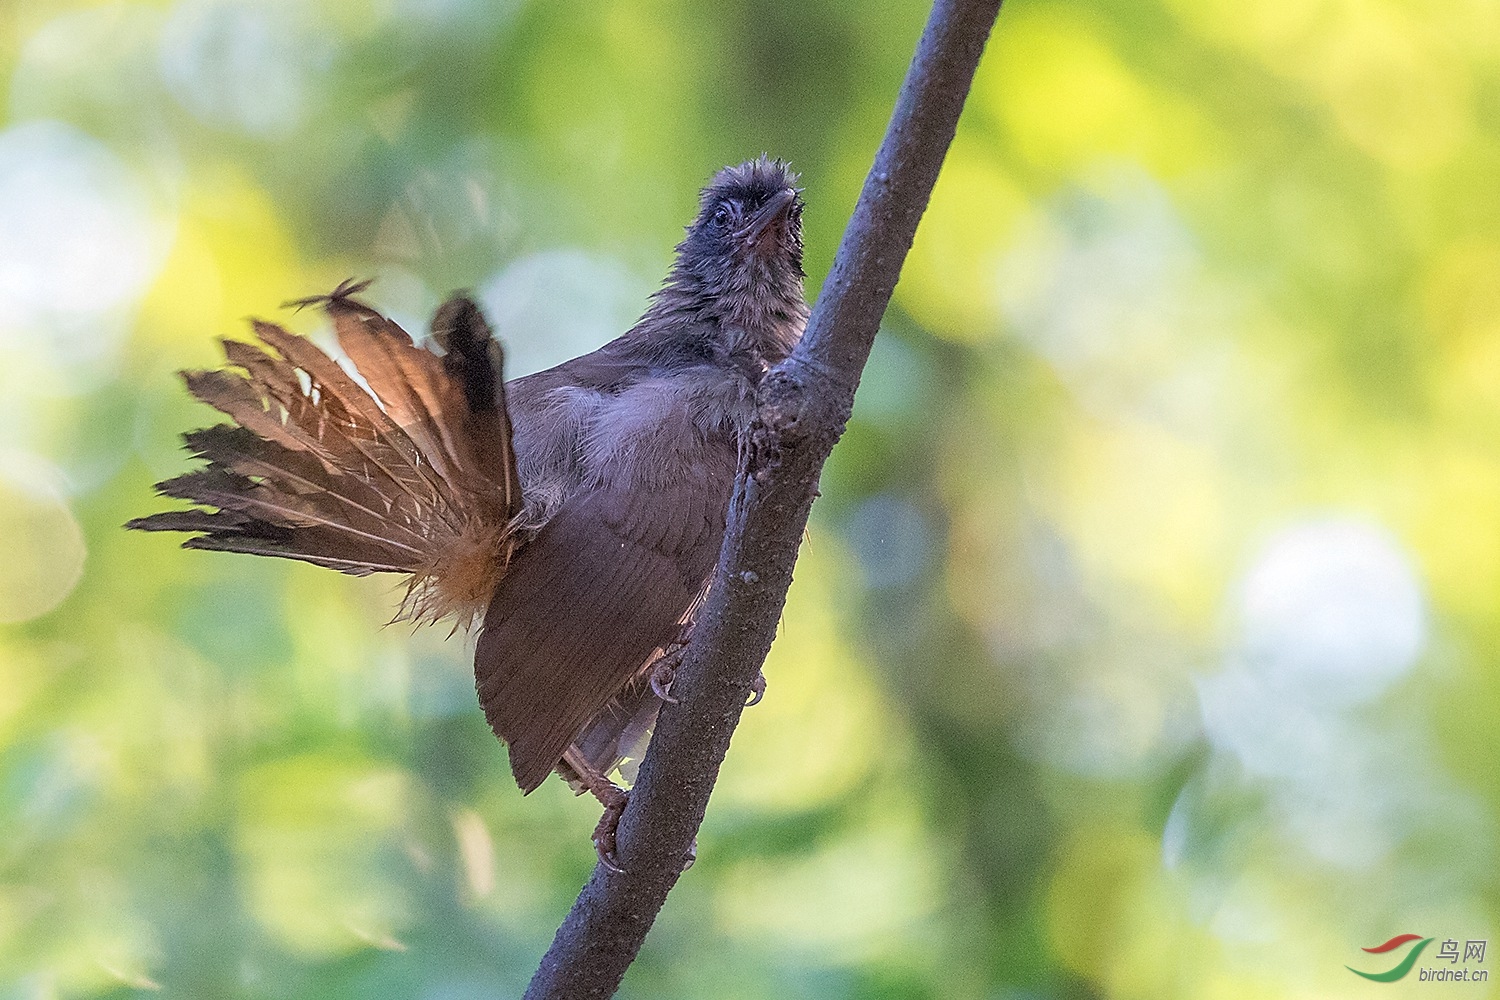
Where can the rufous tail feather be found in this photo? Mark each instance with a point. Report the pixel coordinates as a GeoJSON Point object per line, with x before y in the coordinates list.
{"type": "Point", "coordinates": [415, 475]}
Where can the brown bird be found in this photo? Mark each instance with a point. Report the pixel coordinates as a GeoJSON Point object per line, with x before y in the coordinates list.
{"type": "Point", "coordinates": [576, 512]}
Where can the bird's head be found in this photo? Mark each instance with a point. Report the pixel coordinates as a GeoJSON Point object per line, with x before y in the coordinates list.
{"type": "Point", "coordinates": [741, 262]}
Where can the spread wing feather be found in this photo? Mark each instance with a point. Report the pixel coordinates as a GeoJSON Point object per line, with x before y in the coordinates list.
{"type": "Point", "coordinates": [414, 475]}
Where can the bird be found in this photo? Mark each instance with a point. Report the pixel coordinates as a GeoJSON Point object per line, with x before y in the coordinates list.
{"type": "Point", "coordinates": [573, 517]}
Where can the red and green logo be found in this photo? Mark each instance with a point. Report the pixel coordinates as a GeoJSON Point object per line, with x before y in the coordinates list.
{"type": "Point", "coordinates": [1402, 967]}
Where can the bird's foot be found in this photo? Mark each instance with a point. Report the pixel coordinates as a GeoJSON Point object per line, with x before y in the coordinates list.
{"type": "Point", "coordinates": [757, 690]}
{"type": "Point", "coordinates": [586, 778]}
{"type": "Point", "coordinates": [664, 670]}
{"type": "Point", "coordinates": [614, 800]}
{"type": "Point", "coordinates": [606, 832]}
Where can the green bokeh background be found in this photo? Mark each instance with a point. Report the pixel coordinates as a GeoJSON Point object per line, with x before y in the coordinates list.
{"type": "Point", "coordinates": [1144, 643]}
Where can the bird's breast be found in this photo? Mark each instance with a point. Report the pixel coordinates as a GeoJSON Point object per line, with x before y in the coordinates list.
{"type": "Point", "coordinates": [664, 428]}
{"type": "Point", "coordinates": [655, 430]}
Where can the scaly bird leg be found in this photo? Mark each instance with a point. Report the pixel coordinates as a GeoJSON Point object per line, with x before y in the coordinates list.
{"type": "Point", "coordinates": [610, 795]}
{"type": "Point", "coordinates": [614, 799]}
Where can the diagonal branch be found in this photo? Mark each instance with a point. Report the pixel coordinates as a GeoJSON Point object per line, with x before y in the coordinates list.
{"type": "Point", "coordinates": [803, 406]}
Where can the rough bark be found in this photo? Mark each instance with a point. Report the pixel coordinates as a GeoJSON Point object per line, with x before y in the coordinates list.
{"type": "Point", "coordinates": [803, 407]}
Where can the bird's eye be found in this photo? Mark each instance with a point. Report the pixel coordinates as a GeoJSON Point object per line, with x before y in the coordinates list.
{"type": "Point", "coordinates": [722, 216]}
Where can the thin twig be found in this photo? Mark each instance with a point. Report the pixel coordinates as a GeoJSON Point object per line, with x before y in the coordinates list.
{"type": "Point", "coordinates": [803, 406]}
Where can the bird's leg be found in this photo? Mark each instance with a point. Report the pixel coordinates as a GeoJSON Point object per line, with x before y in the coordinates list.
{"type": "Point", "coordinates": [610, 795]}
{"type": "Point", "coordinates": [757, 689]}
{"type": "Point", "coordinates": [614, 799]}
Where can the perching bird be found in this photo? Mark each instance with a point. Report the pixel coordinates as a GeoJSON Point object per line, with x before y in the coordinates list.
{"type": "Point", "coordinates": [578, 512]}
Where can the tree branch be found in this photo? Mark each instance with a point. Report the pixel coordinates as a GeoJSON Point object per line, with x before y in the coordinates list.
{"type": "Point", "coordinates": [804, 404]}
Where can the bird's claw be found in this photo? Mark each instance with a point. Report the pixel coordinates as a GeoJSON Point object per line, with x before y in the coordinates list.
{"type": "Point", "coordinates": [664, 670]}
{"type": "Point", "coordinates": [661, 679]}
{"type": "Point", "coordinates": [757, 690]}
{"type": "Point", "coordinates": [607, 829]}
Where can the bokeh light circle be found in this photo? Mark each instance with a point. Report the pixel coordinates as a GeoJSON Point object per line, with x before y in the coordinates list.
{"type": "Point", "coordinates": [81, 238]}
{"type": "Point", "coordinates": [1333, 608]}
{"type": "Point", "coordinates": [44, 551]}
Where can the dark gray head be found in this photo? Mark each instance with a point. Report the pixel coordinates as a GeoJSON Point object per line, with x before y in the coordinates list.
{"type": "Point", "coordinates": [741, 263]}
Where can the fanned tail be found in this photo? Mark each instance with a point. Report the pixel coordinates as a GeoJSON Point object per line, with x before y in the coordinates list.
{"type": "Point", "coordinates": [415, 475]}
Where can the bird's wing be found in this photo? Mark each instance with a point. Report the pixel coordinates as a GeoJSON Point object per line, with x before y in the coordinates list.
{"type": "Point", "coordinates": [587, 603]}
{"type": "Point", "coordinates": [414, 474]}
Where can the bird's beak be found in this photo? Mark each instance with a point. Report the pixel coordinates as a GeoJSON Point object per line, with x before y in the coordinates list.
{"type": "Point", "coordinates": [771, 213]}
